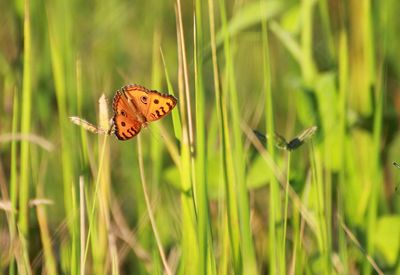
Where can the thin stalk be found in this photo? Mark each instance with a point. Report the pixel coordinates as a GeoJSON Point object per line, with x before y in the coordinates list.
{"type": "Point", "coordinates": [149, 211]}
{"type": "Point", "coordinates": [276, 252]}
{"type": "Point", "coordinates": [285, 215]}
{"type": "Point", "coordinates": [186, 76]}
{"type": "Point", "coordinates": [82, 223]}
{"type": "Point", "coordinates": [103, 219]}
{"type": "Point", "coordinates": [343, 91]}
{"type": "Point", "coordinates": [83, 133]}
{"type": "Point", "coordinates": [157, 147]}
{"type": "Point", "coordinates": [296, 240]}
{"type": "Point", "coordinates": [23, 222]}
{"type": "Point", "coordinates": [370, 259]}
{"type": "Point", "coordinates": [190, 243]}
{"type": "Point", "coordinates": [13, 180]}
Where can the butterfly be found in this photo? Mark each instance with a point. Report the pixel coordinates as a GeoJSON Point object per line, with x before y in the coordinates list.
{"type": "Point", "coordinates": [135, 106]}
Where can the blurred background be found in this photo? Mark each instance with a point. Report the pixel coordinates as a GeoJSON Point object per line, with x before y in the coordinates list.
{"type": "Point", "coordinates": [223, 200]}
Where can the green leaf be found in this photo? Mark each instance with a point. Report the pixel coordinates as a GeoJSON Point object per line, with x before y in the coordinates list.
{"type": "Point", "coordinates": [387, 240]}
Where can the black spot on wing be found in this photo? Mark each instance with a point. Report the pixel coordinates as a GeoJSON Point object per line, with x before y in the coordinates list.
{"type": "Point", "coordinates": [162, 109]}
{"type": "Point", "coordinates": [134, 130]}
{"type": "Point", "coordinates": [131, 132]}
{"type": "Point", "coordinates": [169, 106]}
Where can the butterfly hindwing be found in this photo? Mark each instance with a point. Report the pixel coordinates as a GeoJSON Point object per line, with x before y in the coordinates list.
{"type": "Point", "coordinates": [126, 125]}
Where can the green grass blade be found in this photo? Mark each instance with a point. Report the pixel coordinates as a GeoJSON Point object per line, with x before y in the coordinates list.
{"type": "Point", "coordinates": [23, 218]}
{"type": "Point", "coordinates": [227, 216]}
{"type": "Point", "coordinates": [13, 178]}
{"type": "Point", "coordinates": [175, 115]}
{"type": "Point", "coordinates": [190, 245]}
{"type": "Point", "coordinates": [237, 173]}
{"type": "Point", "coordinates": [60, 69]}
{"type": "Point", "coordinates": [343, 89]}
{"type": "Point", "coordinates": [204, 227]}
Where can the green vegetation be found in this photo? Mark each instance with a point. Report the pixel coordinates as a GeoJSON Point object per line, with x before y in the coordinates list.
{"type": "Point", "coordinates": [208, 189]}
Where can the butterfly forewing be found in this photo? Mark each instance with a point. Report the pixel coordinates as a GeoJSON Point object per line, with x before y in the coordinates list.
{"type": "Point", "coordinates": [138, 97]}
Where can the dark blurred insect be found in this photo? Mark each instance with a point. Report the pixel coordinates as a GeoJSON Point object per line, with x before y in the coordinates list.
{"type": "Point", "coordinates": [295, 143]}
{"type": "Point", "coordinates": [398, 166]}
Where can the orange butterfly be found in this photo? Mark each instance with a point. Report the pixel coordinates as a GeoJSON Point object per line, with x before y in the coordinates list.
{"type": "Point", "coordinates": [134, 106]}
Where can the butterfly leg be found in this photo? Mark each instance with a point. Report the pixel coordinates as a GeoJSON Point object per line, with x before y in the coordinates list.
{"type": "Point", "coordinates": [111, 129]}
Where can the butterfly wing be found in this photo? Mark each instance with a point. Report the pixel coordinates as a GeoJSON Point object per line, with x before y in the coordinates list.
{"type": "Point", "coordinates": [160, 105]}
{"type": "Point", "coordinates": [126, 122]}
{"type": "Point", "coordinates": [139, 97]}
{"type": "Point", "coordinates": [151, 104]}
{"type": "Point", "coordinates": [300, 139]}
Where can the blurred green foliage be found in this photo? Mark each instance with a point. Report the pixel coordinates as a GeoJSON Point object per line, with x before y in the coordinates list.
{"type": "Point", "coordinates": [333, 64]}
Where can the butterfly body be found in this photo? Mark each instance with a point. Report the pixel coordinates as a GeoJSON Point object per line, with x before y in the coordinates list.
{"type": "Point", "coordinates": [135, 106]}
